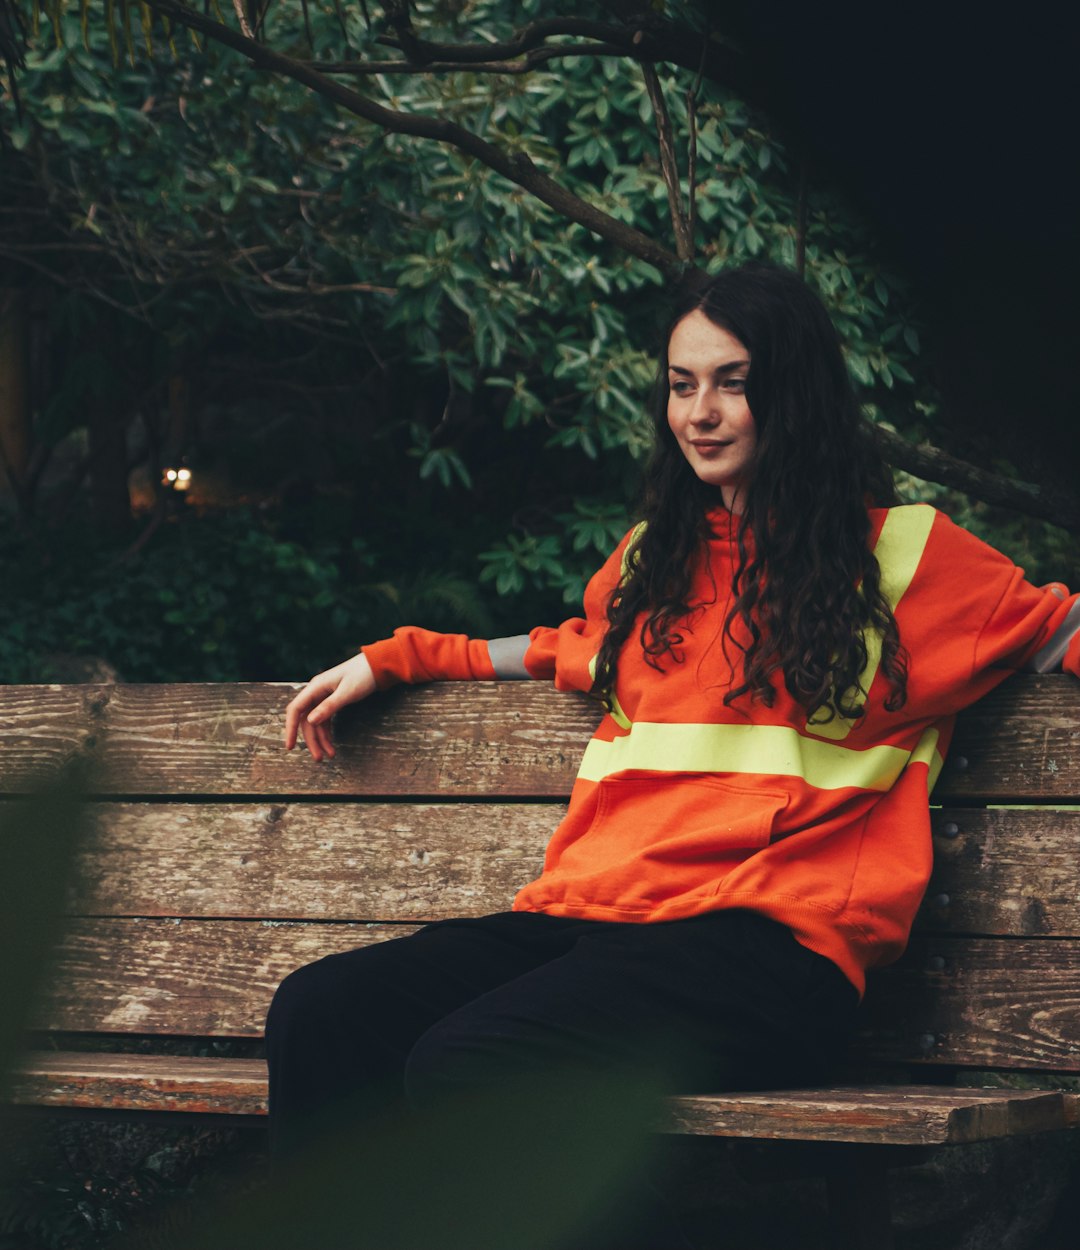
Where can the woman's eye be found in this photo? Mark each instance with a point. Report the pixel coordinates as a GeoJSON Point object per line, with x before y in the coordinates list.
{"type": "Point", "coordinates": [681, 388]}
{"type": "Point", "coordinates": [738, 385]}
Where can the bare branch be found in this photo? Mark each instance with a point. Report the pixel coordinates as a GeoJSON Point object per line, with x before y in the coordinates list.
{"type": "Point", "coordinates": [238, 6]}
{"type": "Point", "coordinates": [538, 56]}
{"type": "Point", "coordinates": [934, 465]}
{"type": "Point", "coordinates": [423, 51]}
{"type": "Point", "coordinates": [684, 243]}
{"type": "Point", "coordinates": [517, 168]}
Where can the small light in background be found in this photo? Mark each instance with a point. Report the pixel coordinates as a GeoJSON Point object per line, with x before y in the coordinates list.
{"type": "Point", "coordinates": [177, 479]}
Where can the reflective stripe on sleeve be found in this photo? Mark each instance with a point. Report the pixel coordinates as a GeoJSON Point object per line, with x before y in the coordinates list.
{"type": "Point", "coordinates": [1049, 657]}
{"type": "Point", "coordinates": [507, 657]}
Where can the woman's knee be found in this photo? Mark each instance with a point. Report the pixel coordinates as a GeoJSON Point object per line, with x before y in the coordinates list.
{"type": "Point", "coordinates": [302, 992]}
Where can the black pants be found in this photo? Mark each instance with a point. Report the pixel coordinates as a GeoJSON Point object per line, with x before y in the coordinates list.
{"type": "Point", "coordinates": [501, 1017]}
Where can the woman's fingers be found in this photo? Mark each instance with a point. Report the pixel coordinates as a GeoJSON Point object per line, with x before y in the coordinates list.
{"type": "Point", "coordinates": [311, 711]}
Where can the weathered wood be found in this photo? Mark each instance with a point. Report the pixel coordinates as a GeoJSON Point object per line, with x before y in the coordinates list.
{"type": "Point", "coordinates": [142, 1083]}
{"type": "Point", "coordinates": [320, 861]}
{"type": "Point", "coordinates": [462, 738]}
{"type": "Point", "coordinates": [469, 739]}
{"type": "Point", "coordinates": [1020, 742]}
{"type": "Point", "coordinates": [1004, 872]}
{"type": "Point", "coordinates": [977, 1002]}
{"type": "Point", "coordinates": [964, 1001]}
{"type": "Point", "coordinates": [195, 978]}
{"type": "Point", "coordinates": [1007, 872]}
{"type": "Point", "coordinates": [901, 1115]}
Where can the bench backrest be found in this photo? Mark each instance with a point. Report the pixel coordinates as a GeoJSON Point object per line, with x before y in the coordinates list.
{"type": "Point", "coordinates": [215, 862]}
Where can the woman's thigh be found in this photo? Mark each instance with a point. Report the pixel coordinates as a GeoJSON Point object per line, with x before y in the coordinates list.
{"type": "Point", "coordinates": [724, 1000]}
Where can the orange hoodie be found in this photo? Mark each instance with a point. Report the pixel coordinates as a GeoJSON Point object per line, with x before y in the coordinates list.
{"type": "Point", "coordinates": [683, 805]}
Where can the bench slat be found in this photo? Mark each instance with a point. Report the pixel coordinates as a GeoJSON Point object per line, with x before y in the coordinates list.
{"type": "Point", "coordinates": [901, 1115]}
{"type": "Point", "coordinates": [1001, 872]}
{"type": "Point", "coordinates": [141, 1083]}
{"type": "Point", "coordinates": [514, 739]}
{"type": "Point", "coordinates": [978, 1002]}
{"type": "Point", "coordinates": [896, 1115]}
{"type": "Point", "coordinates": [382, 861]}
{"type": "Point", "coordinates": [1004, 872]}
{"type": "Point", "coordinates": [1006, 1003]}
{"type": "Point", "coordinates": [194, 978]}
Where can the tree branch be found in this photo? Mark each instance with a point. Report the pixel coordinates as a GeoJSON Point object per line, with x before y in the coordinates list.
{"type": "Point", "coordinates": [644, 36]}
{"type": "Point", "coordinates": [538, 56]}
{"type": "Point", "coordinates": [422, 51]}
{"type": "Point", "coordinates": [518, 168]}
{"type": "Point", "coordinates": [684, 243]}
{"type": "Point", "coordinates": [934, 465]}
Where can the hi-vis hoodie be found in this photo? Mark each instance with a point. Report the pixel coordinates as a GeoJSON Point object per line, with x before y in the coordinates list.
{"type": "Point", "coordinates": [683, 805]}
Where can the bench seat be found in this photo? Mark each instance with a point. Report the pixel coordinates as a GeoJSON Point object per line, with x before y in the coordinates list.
{"type": "Point", "coordinates": [902, 1115]}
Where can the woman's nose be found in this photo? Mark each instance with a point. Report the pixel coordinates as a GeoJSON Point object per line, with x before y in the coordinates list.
{"type": "Point", "coordinates": [705, 410]}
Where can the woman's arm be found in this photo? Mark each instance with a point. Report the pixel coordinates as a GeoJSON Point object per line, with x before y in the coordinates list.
{"type": "Point", "coordinates": [562, 654]}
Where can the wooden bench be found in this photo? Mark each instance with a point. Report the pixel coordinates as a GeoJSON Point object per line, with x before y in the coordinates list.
{"type": "Point", "coordinates": [215, 863]}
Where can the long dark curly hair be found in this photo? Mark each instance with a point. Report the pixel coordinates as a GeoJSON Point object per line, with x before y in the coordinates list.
{"type": "Point", "coordinates": [806, 587]}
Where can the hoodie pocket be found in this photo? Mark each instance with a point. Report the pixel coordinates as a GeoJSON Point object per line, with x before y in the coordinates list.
{"type": "Point", "coordinates": [673, 834]}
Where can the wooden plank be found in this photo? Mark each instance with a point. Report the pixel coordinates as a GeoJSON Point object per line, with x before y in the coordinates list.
{"type": "Point", "coordinates": [1020, 742]}
{"type": "Point", "coordinates": [515, 739]}
{"type": "Point", "coordinates": [1004, 872]}
{"type": "Point", "coordinates": [322, 861]}
{"type": "Point", "coordinates": [42, 727]}
{"type": "Point", "coordinates": [964, 1001]}
{"type": "Point", "coordinates": [999, 872]}
{"type": "Point", "coordinates": [188, 977]}
{"type": "Point", "coordinates": [142, 1083]}
{"type": "Point", "coordinates": [897, 1115]}
{"type": "Point", "coordinates": [1013, 1002]}
{"type": "Point", "coordinates": [904, 1115]}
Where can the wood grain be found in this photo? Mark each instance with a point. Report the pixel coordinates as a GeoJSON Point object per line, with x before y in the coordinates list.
{"type": "Point", "coordinates": [902, 1115]}
{"type": "Point", "coordinates": [321, 861]}
{"type": "Point", "coordinates": [996, 872]}
{"type": "Point", "coordinates": [964, 1001]}
{"type": "Point", "coordinates": [466, 739]}
{"type": "Point", "coordinates": [1020, 742]}
{"type": "Point", "coordinates": [977, 1002]}
{"type": "Point", "coordinates": [1004, 872]}
{"type": "Point", "coordinates": [142, 1083]}
{"type": "Point", "coordinates": [896, 1115]}
{"type": "Point", "coordinates": [462, 738]}
{"type": "Point", "coordinates": [188, 977]}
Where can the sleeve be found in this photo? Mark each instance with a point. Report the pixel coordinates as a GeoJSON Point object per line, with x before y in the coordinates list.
{"type": "Point", "coordinates": [563, 654]}
{"type": "Point", "coordinates": [983, 618]}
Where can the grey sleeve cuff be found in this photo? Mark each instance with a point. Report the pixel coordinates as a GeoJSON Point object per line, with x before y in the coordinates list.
{"type": "Point", "coordinates": [1049, 657]}
{"type": "Point", "coordinates": [508, 657]}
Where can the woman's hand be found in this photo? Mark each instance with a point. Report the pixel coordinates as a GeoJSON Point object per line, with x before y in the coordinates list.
{"type": "Point", "coordinates": [324, 694]}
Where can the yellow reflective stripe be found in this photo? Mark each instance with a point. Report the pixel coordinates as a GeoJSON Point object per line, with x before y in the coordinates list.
{"type": "Point", "coordinates": [614, 707]}
{"type": "Point", "coordinates": [776, 750]}
{"type": "Point", "coordinates": [635, 534]}
{"type": "Point", "coordinates": [926, 752]}
{"type": "Point", "coordinates": [898, 550]}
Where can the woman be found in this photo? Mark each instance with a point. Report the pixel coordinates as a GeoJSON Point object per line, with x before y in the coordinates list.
{"type": "Point", "coordinates": [781, 651]}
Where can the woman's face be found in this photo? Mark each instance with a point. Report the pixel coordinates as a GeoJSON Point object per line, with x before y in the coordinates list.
{"type": "Point", "coordinates": [707, 409]}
